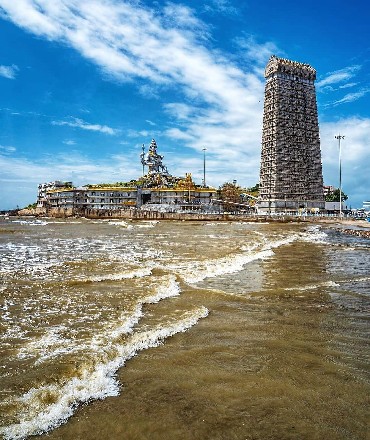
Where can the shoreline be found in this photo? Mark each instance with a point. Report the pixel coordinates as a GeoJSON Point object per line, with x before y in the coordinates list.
{"type": "Point", "coordinates": [356, 227]}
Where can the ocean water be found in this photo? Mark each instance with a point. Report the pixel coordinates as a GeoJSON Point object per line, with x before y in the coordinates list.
{"type": "Point", "coordinates": [182, 330]}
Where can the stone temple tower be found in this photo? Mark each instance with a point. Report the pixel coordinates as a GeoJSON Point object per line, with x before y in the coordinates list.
{"type": "Point", "coordinates": [291, 170]}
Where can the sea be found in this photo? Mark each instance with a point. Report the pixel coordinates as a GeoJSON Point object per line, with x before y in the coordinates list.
{"type": "Point", "coordinates": [169, 330]}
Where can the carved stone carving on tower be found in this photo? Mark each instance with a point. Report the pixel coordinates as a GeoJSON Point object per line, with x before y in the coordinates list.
{"type": "Point", "coordinates": [291, 169]}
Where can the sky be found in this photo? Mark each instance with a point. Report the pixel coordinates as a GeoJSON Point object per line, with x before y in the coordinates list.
{"type": "Point", "coordinates": [84, 84]}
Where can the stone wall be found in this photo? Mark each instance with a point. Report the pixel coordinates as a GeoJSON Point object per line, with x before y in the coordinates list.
{"type": "Point", "coordinates": [137, 214]}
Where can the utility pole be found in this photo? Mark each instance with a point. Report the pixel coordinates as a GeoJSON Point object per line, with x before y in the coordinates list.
{"type": "Point", "coordinates": [204, 167]}
{"type": "Point", "coordinates": [142, 157]}
{"type": "Point", "coordinates": [339, 137]}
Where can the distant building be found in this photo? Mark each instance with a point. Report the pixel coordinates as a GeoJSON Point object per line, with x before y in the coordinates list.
{"type": "Point", "coordinates": [156, 190]}
{"type": "Point", "coordinates": [328, 189]}
{"type": "Point", "coordinates": [94, 197]}
{"type": "Point", "coordinates": [334, 207]}
{"type": "Point", "coordinates": [44, 188]}
{"type": "Point", "coordinates": [121, 197]}
{"type": "Point", "coordinates": [291, 169]}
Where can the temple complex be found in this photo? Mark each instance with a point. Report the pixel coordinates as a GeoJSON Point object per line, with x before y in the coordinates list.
{"type": "Point", "coordinates": [156, 189]}
{"type": "Point", "coordinates": [291, 169]}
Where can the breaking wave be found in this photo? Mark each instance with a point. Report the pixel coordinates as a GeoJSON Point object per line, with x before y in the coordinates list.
{"type": "Point", "coordinates": [95, 380]}
{"type": "Point", "coordinates": [91, 384]}
{"type": "Point", "coordinates": [314, 286]}
{"type": "Point", "coordinates": [197, 271]}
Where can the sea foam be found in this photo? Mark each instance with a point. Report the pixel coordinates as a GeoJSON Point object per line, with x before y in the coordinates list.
{"type": "Point", "coordinates": [193, 272]}
{"type": "Point", "coordinates": [97, 383]}
{"type": "Point", "coordinates": [52, 344]}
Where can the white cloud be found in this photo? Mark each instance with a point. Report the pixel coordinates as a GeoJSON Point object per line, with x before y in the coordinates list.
{"type": "Point", "coordinates": [355, 156]}
{"type": "Point", "coordinates": [19, 177]}
{"type": "Point", "coordinates": [149, 91]}
{"type": "Point", "coordinates": [69, 142]}
{"type": "Point", "coordinates": [332, 83]}
{"type": "Point", "coordinates": [257, 52]}
{"type": "Point", "coordinates": [9, 71]}
{"type": "Point", "coordinates": [79, 123]}
{"type": "Point", "coordinates": [7, 149]}
{"type": "Point", "coordinates": [220, 6]}
{"type": "Point", "coordinates": [167, 48]}
{"type": "Point", "coordinates": [143, 45]}
{"type": "Point", "coordinates": [143, 134]}
{"type": "Point", "coordinates": [338, 76]}
{"type": "Point", "coordinates": [181, 16]}
{"type": "Point", "coordinates": [350, 97]}
{"type": "Point", "coordinates": [348, 85]}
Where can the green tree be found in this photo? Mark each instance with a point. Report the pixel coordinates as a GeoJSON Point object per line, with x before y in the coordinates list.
{"type": "Point", "coordinates": [31, 206]}
{"type": "Point", "coordinates": [335, 196]}
{"type": "Point", "coordinates": [254, 189]}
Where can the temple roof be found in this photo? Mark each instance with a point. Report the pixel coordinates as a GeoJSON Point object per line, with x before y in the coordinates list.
{"type": "Point", "coordinates": [288, 67]}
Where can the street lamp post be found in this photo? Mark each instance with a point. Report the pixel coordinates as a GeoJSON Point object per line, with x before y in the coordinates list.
{"type": "Point", "coordinates": [340, 137]}
{"type": "Point", "coordinates": [204, 167]}
{"type": "Point", "coordinates": [142, 157]}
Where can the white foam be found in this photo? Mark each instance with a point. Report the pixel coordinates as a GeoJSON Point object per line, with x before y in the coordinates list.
{"type": "Point", "coordinates": [31, 222]}
{"type": "Point", "coordinates": [194, 272]}
{"type": "Point", "coordinates": [359, 280]}
{"type": "Point", "coordinates": [40, 259]}
{"type": "Point", "coordinates": [146, 224]}
{"type": "Point", "coordinates": [136, 273]}
{"type": "Point", "coordinates": [168, 289]}
{"type": "Point", "coordinates": [122, 224]}
{"type": "Point", "coordinates": [51, 341]}
{"type": "Point", "coordinates": [281, 242]}
{"type": "Point", "coordinates": [96, 383]}
{"type": "Point", "coordinates": [198, 271]}
{"type": "Point", "coordinates": [315, 234]}
{"type": "Point", "coordinates": [52, 344]}
{"type": "Point", "coordinates": [314, 286]}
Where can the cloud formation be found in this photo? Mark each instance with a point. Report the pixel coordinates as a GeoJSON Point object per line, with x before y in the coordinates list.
{"type": "Point", "coordinates": [355, 152]}
{"type": "Point", "coordinates": [220, 6]}
{"type": "Point", "coordinates": [79, 123]}
{"type": "Point", "coordinates": [350, 97]}
{"type": "Point", "coordinates": [219, 104]}
{"type": "Point", "coordinates": [9, 71]}
{"type": "Point", "coordinates": [338, 76]}
{"type": "Point", "coordinates": [5, 149]}
{"type": "Point", "coordinates": [174, 56]}
{"type": "Point", "coordinates": [20, 176]}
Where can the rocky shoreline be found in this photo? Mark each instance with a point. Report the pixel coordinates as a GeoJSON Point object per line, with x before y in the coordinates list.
{"type": "Point", "coordinates": [357, 232]}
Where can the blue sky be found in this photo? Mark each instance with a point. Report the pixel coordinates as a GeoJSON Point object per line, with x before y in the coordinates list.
{"type": "Point", "coordinates": [84, 84]}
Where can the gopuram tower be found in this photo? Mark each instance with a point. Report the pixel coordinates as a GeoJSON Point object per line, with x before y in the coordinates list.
{"type": "Point", "coordinates": [291, 170]}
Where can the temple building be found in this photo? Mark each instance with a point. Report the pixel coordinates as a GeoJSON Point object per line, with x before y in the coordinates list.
{"type": "Point", "coordinates": [291, 170]}
{"type": "Point", "coordinates": [155, 190]}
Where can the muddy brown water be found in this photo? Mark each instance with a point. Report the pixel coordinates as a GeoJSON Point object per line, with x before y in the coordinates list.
{"type": "Point", "coordinates": [181, 330]}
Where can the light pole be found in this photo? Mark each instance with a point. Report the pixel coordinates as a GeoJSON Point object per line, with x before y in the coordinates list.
{"type": "Point", "coordinates": [204, 167]}
{"type": "Point", "coordinates": [339, 137]}
{"type": "Point", "coordinates": [142, 157]}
